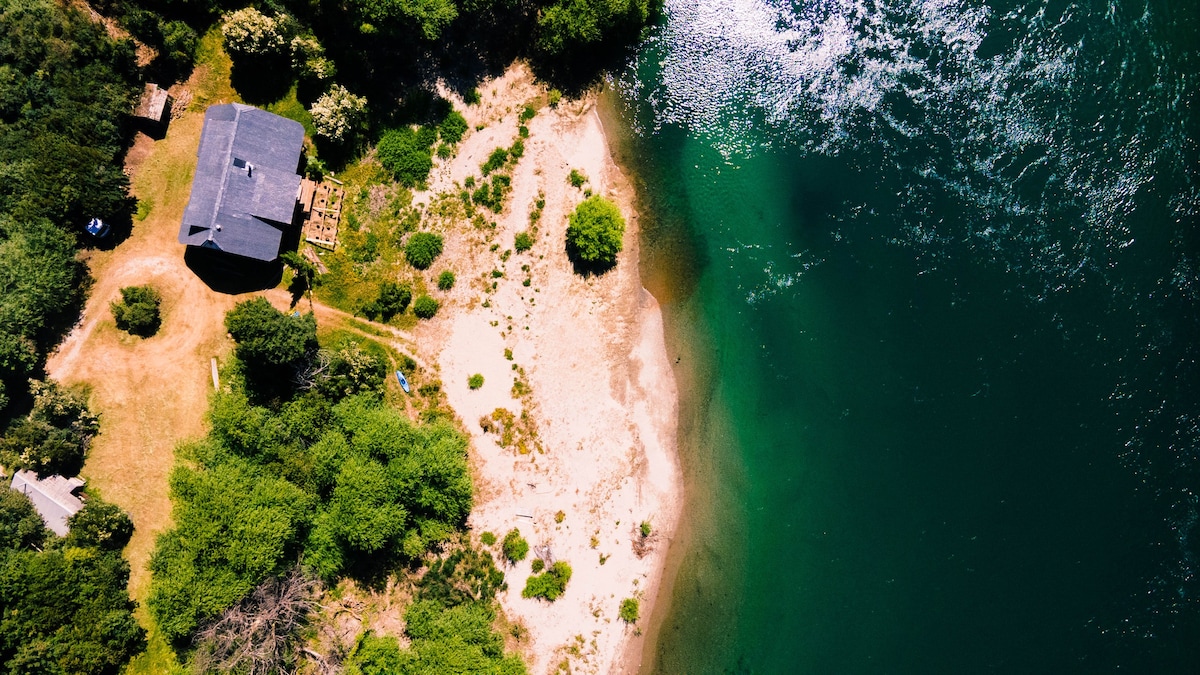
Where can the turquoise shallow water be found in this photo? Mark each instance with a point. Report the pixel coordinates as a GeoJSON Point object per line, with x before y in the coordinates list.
{"type": "Point", "coordinates": [935, 268]}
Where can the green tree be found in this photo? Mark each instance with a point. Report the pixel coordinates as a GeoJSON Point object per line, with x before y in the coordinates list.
{"type": "Point", "coordinates": [393, 299]}
{"type": "Point", "coordinates": [574, 30]}
{"type": "Point", "coordinates": [234, 526]}
{"type": "Point", "coordinates": [138, 311]}
{"type": "Point", "coordinates": [100, 525]}
{"type": "Point", "coordinates": [428, 18]}
{"type": "Point", "coordinates": [422, 249]}
{"type": "Point", "coordinates": [21, 528]}
{"type": "Point", "coordinates": [272, 345]}
{"type": "Point", "coordinates": [55, 436]}
{"type": "Point", "coordinates": [363, 508]}
{"type": "Point", "coordinates": [66, 611]}
{"type": "Point", "coordinates": [594, 234]}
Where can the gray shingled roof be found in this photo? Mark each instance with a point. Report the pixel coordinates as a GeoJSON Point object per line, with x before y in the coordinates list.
{"type": "Point", "coordinates": [53, 497]}
{"type": "Point", "coordinates": [245, 190]}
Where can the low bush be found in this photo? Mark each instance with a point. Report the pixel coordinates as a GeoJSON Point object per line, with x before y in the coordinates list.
{"type": "Point", "coordinates": [515, 546]}
{"type": "Point", "coordinates": [538, 565]}
{"type": "Point", "coordinates": [629, 610]}
{"type": "Point", "coordinates": [549, 585]}
{"type": "Point", "coordinates": [523, 242]}
{"type": "Point", "coordinates": [474, 382]}
{"type": "Point", "coordinates": [487, 538]}
{"type": "Point", "coordinates": [576, 179]}
{"type": "Point", "coordinates": [445, 280]}
{"type": "Point", "coordinates": [138, 311]}
{"type": "Point", "coordinates": [425, 307]}
{"type": "Point", "coordinates": [495, 161]}
{"type": "Point", "coordinates": [422, 249]}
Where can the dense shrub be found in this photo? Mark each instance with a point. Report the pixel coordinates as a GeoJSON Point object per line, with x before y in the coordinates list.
{"type": "Point", "coordinates": [523, 242]}
{"type": "Point", "coordinates": [445, 280]}
{"type": "Point", "coordinates": [348, 370]}
{"type": "Point", "coordinates": [630, 610]}
{"type": "Point", "coordinates": [404, 154]}
{"type": "Point", "coordinates": [550, 584]}
{"type": "Point", "coordinates": [475, 381]}
{"type": "Point", "coordinates": [453, 127]}
{"type": "Point", "coordinates": [594, 234]}
{"type": "Point", "coordinates": [495, 161]}
{"type": "Point", "coordinates": [422, 249]}
{"type": "Point", "coordinates": [515, 546]}
{"type": "Point", "coordinates": [138, 311]}
{"type": "Point", "coordinates": [425, 307]}
{"type": "Point", "coordinates": [393, 299]}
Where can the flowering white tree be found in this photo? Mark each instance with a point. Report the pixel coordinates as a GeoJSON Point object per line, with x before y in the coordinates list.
{"type": "Point", "coordinates": [337, 112]}
{"type": "Point", "coordinates": [249, 32]}
{"type": "Point", "coordinates": [309, 60]}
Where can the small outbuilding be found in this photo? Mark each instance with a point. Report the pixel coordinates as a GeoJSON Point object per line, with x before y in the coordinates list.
{"type": "Point", "coordinates": [245, 194]}
{"type": "Point", "coordinates": [153, 109]}
{"type": "Point", "coordinates": [55, 498]}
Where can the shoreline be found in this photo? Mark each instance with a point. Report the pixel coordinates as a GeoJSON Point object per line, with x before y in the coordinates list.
{"type": "Point", "coordinates": [611, 452]}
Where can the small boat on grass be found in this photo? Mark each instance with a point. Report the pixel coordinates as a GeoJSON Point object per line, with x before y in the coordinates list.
{"type": "Point", "coordinates": [403, 381]}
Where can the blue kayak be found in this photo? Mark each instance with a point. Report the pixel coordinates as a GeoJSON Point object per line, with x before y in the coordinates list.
{"type": "Point", "coordinates": [403, 382]}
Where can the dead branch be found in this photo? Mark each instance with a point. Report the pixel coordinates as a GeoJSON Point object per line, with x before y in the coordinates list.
{"type": "Point", "coordinates": [259, 635]}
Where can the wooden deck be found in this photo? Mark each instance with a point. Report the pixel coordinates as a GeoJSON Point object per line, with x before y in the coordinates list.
{"type": "Point", "coordinates": [321, 206]}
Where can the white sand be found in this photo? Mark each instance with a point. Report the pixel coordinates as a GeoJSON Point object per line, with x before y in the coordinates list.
{"type": "Point", "coordinates": [603, 393]}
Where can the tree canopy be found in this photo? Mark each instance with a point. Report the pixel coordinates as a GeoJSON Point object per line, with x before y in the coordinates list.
{"type": "Point", "coordinates": [594, 234]}
{"type": "Point", "coordinates": [63, 605]}
{"type": "Point", "coordinates": [64, 89]}
{"type": "Point", "coordinates": [338, 486]}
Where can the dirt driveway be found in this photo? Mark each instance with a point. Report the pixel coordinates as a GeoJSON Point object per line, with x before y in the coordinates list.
{"type": "Point", "coordinates": [151, 393]}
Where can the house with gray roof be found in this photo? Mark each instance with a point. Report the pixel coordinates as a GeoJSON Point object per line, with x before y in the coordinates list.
{"type": "Point", "coordinates": [246, 189]}
{"type": "Point", "coordinates": [53, 497]}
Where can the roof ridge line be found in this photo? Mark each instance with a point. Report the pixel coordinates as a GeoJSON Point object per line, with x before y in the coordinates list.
{"type": "Point", "coordinates": [237, 114]}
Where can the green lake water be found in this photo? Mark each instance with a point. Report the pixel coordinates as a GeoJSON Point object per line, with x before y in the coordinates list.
{"type": "Point", "coordinates": [932, 271]}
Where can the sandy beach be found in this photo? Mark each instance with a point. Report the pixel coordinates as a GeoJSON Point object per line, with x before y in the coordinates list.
{"type": "Point", "coordinates": [601, 393]}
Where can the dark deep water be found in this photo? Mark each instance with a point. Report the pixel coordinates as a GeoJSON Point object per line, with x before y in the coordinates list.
{"type": "Point", "coordinates": [936, 265]}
